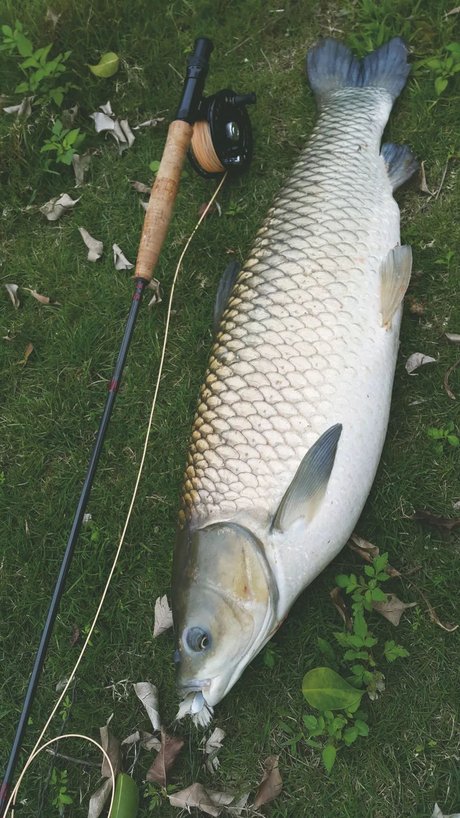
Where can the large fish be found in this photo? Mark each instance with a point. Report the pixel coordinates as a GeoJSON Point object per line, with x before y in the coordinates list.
{"type": "Point", "coordinates": [293, 412]}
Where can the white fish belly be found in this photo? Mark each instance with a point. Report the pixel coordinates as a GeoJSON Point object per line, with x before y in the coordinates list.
{"type": "Point", "coordinates": [301, 345]}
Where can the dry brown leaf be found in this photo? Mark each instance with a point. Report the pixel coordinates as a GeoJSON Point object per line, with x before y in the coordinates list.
{"type": "Point", "coordinates": [453, 337]}
{"type": "Point", "coordinates": [271, 784]}
{"type": "Point", "coordinates": [43, 299]}
{"type": "Point", "coordinates": [446, 379]}
{"type": "Point", "coordinates": [149, 123]}
{"type": "Point", "coordinates": [211, 747]}
{"type": "Point", "coordinates": [148, 694]}
{"type": "Point", "coordinates": [163, 616]}
{"type": "Point", "coordinates": [155, 286]}
{"type": "Point", "coordinates": [80, 166]}
{"type": "Point", "coordinates": [437, 811]}
{"type": "Point", "coordinates": [27, 353]}
{"type": "Point", "coordinates": [111, 746]}
{"type": "Point", "coordinates": [140, 187]}
{"type": "Point", "coordinates": [423, 185]}
{"type": "Point", "coordinates": [12, 290]}
{"type": "Point", "coordinates": [368, 552]}
{"type": "Point", "coordinates": [146, 740]}
{"type": "Point", "coordinates": [98, 799]}
{"type": "Point", "coordinates": [54, 208]}
{"type": "Point", "coordinates": [456, 10]}
{"type": "Point", "coordinates": [340, 606]}
{"type": "Point", "coordinates": [95, 247]}
{"type": "Point", "coordinates": [211, 803]}
{"type": "Point", "coordinates": [169, 750]}
{"type": "Point", "coordinates": [445, 523]}
{"type": "Point", "coordinates": [416, 360]}
{"type": "Point", "coordinates": [120, 260]}
{"type": "Point", "coordinates": [23, 110]}
{"type": "Point", "coordinates": [416, 308]}
{"type": "Point", "coordinates": [393, 608]}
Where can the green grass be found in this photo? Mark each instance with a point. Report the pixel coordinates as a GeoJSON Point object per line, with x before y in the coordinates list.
{"type": "Point", "coordinates": [51, 406]}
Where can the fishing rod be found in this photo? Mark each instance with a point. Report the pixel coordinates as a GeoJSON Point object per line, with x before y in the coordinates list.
{"type": "Point", "coordinates": [216, 134]}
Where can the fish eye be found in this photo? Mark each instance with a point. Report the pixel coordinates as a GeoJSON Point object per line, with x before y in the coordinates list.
{"type": "Point", "coordinates": [197, 639]}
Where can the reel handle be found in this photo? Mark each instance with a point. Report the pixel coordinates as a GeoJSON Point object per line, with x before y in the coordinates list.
{"type": "Point", "coordinates": [164, 191]}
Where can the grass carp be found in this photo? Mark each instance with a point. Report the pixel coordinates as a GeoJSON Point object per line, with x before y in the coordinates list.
{"type": "Point", "coordinates": [294, 408]}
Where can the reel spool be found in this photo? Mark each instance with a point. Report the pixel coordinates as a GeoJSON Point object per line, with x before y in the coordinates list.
{"type": "Point", "coordinates": [222, 134]}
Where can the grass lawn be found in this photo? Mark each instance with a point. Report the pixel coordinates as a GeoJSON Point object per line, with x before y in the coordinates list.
{"type": "Point", "coordinates": [51, 405]}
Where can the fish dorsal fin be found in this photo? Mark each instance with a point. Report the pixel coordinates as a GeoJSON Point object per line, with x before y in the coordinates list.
{"type": "Point", "coordinates": [223, 291]}
{"type": "Point", "coordinates": [308, 487]}
{"type": "Point", "coordinates": [395, 273]}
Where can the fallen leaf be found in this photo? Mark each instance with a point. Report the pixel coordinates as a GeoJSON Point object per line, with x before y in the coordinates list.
{"type": "Point", "coordinates": [120, 260]}
{"type": "Point", "coordinates": [87, 518]}
{"type": "Point", "coordinates": [123, 134]}
{"type": "Point", "coordinates": [107, 66]}
{"type": "Point", "coordinates": [418, 359]}
{"type": "Point", "coordinates": [340, 606]}
{"type": "Point", "coordinates": [54, 209]}
{"type": "Point", "coordinates": [437, 812]}
{"type": "Point", "coordinates": [154, 285]}
{"type": "Point", "coordinates": [98, 799]}
{"type": "Point", "coordinates": [148, 694]}
{"type": "Point", "coordinates": [271, 784]}
{"type": "Point", "coordinates": [446, 379]}
{"type": "Point", "coordinates": [393, 608]}
{"type": "Point", "coordinates": [417, 308]}
{"type": "Point", "coordinates": [145, 205]}
{"type": "Point", "coordinates": [456, 10]}
{"type": "Point", "coordinates": [194, 705]}
{"type": "Point", "coordinates": [368, 552]}
{"type": "Point", "coordinates": [43, 299]}
{"type": "Point", "coordinates": [27, 353]}
{"type": "Point", "coordinates": [212, 747]}
{"type": "Point", "coordinates": [140, 187]}
{"type": "Point", "coordinates": [75, 635]}
{"type": "Point", "coordinates": [146, 740]}
{"type": "Point", "coordinates": [23, 110]}
{"type": "Point", "coordinates": [80, 166]}
{"type": "Point", "coordinates": [53, 17]}
{"type": "Point", "coordinates": [95, 247]}
{"type": "Point", "coordinates": [454, 337]}
{"type": "Point", "coordinates": [107, 108]}
{"type": "Point", "coordinates": [12, 290]}
{"type": "Point", "coordinates": [163, 616]}
{"type": "Point", "coordinates": [446, 523]}
{"type": "Point", "coordinates": [102, 121]}
{"type": "Point", "coordinates": [169, 750]}
{"type": "Point", "coordinates": [111, 746]}
{"type": "Point", "coordinates": [149, 123]}
{"type": "Point", "coordinates": [212, 803]}
{"type": "Point", "coordinates": [423, 185]}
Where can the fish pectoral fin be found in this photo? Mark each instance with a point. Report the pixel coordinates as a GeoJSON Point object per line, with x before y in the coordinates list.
{"type": "Point", "coordinates": [400, 163]}
{"type": "Point", "coordinates": [308, 487]}
{"type": "Point", "coordinates": [223, 291]}
{"type": "Point", "coordinates": [395, 273]}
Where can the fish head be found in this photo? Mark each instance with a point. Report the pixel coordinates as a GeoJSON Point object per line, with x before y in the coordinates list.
{"type": "Point", "coordinates": [223, 601]}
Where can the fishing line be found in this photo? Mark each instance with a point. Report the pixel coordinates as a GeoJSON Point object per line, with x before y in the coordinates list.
{"type": "Point", "coordinates": [37, 748]}
{"type": "Point", "coordinates": [203, 149]}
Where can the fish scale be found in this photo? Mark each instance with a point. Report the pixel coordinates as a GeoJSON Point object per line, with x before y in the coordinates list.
{"type": "Point", "coordinates": [301, 318]}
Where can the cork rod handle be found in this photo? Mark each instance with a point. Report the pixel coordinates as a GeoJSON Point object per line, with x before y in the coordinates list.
{"type": "Point", "coordinates": [162, 198]}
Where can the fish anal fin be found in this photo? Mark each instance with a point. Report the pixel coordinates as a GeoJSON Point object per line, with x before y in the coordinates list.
{"type": "Point", "coordinates": [308, 487]}
{"type": "Point", "coordinates": [400, 162]}
{"type": "Point", "coordinates": [395, 272]}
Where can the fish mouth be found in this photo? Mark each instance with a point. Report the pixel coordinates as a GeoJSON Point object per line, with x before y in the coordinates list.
{"type": "Point", "coordinates": [194, 686]}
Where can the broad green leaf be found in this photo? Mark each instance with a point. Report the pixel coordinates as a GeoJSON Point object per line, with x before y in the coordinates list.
{"type": "Point", "coordinates": [440, 85]}
{"type": "Point", "coordinates": [362, 727]}
{"type": "Point", "coordinates": [359, 625]}
{"type": "Point", "coordinates": [126, 800]}
{"type": "Point", "coordinates": [24, 45]}
{"type": "Point", "coordinates": [310, 722]}
{"type": "Point", "coordinates": [326, 649]}
{"type": "Point", "coordinates": [328, 755]}
{"type": "Point", "coordinates": [350, 735]}
{"type": "Point", "coordinates": [107, 65]}
{"type": "Point", "coordinates": [324, 689]}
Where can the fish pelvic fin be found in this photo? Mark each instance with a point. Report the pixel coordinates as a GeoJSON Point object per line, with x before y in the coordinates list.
{"type": "Point", "coordinates": [224, 289]}
{"type": "Point", "coordinates": [395, 272]}
{"type": "Point", "coordinates": [308, 487]}
{"type": "Point", "coordinates": [331, 66]}
{"type": "Point", "coordinates": [400, 163]}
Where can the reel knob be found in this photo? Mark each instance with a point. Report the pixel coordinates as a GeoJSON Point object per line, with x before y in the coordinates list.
{"type": "Point", "coordinates": [222, 134]}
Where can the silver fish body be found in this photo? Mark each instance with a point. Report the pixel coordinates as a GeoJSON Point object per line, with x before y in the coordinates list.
{"type": "Point", "coordinates": [307, 343]}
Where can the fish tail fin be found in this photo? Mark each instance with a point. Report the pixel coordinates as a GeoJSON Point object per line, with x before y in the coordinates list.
{"type": "Point", "coordinates": [332, 66]}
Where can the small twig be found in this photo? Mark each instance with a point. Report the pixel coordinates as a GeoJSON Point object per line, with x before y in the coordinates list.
{"type": "Point", "coordinates": [446, 379]}
{"type": "Point", "coordinates": [433, 615]}
{"type": "Point", "coordinates": [81, 761]}
{"type": "Point", "coordinates": [442, 178]}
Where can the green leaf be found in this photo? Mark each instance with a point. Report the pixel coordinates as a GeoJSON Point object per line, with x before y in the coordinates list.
{"type": "Point", "coordinates": [324, 689]}
{"type": "Point", "coordinates": [24, 45]}
{"type": "Point", "coordinates": [440, 85]}
{"type": "Point", "coordinates": [393, 651]}
{"type": "Point", "coordinates": [107, 65]}
{"type": "Point", "coordinates": [326, 649]}
{"type": "Point", "coordinates": [369, 570]}
{"type": "Point", "coordinates": [310, 722]}
{"type": "Point", "coordinates": [453, 440]}
{"type": "Point", "coordinates": [378, 595]}
{"type": "Point", "coordinates": [350, 735]}
{"type": "Point", "coordinates": [65, 799]}
{"type": "Point", "coordinates": [362, 727]}
{"type": "Point", "coordinates": [360, 625]}
{"type": "Point", "coordinates": [155, 165]}
{"type": "Point", "coordinates": [342, 580]}
{"type": "Point", "coordinates": [126, 799]}
{"type": "Point", "coordinates": [329, 755]}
